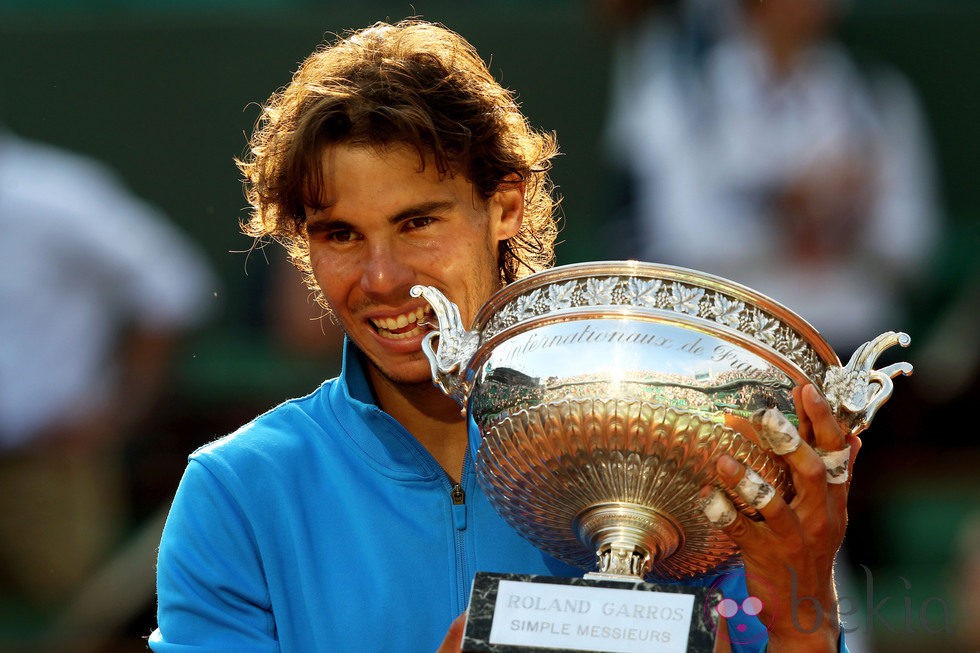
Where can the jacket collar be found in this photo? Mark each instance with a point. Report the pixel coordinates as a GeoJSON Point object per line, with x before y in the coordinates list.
{"type": "Point", "coordinates": [379, 436]}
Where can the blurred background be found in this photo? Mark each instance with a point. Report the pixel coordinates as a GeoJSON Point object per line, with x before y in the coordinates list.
{"type": "Point", "coordinates": [822, 151]}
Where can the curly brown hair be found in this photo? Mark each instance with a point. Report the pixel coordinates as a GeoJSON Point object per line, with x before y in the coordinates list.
{"type": "Point", "coordinates": [416, 83]}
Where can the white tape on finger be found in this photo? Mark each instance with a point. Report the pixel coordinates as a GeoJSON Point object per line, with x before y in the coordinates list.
{"type": "Point", "coordinates": [756, 492]}
{"type": "Point", "coordinates": [719, 510]}
{"type": "Point", "coordinates": [836, 463]}
{"type": "Point", "coordinates": [776, 432]}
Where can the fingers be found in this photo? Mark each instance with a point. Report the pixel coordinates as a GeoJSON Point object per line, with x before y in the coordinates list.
{"type": "Point", "coordinates": [754, 491]}
{"type": "Point", "coordinates": [819, 455]}
{"type": "Point", "coordinates": [777, 432]}
{"type": "Point", "coordinates": [824, 464]}
{"type": "Point", "coordinates": [855, 443]}
{"type": "Point", "coordinates": [837, 464]}
{"type": "Point", "coordinates": [454, 636]}
{"type": "Point", "coordinates": [826, 432]}
{"type": "Point", "coordinates": [745, 428]}
{"type": "Point", "coordinates": [722, 645]}
{"type": "Point", "coordinates": [829, 440]}
{"type": "Point", "coordinates": [805, 427]}
{"type": "Point", "coordinates": [723, 515]}
{"type": "Point", "coordinates": [719, 510]}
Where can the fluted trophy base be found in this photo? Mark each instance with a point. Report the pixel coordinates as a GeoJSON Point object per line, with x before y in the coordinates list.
{"type": "Point", "coordinates": [613, 486]}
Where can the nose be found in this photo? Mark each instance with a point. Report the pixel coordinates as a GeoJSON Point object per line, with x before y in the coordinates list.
{"type": "Point", "coordinates": [385, 275]}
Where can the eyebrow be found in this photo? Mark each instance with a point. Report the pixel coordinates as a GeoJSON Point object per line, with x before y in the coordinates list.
{"type": "Point", "coordinates": [425, 208]}
{"type": "Point", "coordinates": [434, 206]}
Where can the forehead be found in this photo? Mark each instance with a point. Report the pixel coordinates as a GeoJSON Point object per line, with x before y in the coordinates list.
{"type": "Point", "coordinates": [381, 174]}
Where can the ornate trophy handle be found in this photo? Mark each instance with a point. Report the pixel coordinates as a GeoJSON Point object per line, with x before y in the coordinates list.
{"type": "Point", "coordinates": [456, 345]}
{"type": "Point", "coordinates": [856, 391]}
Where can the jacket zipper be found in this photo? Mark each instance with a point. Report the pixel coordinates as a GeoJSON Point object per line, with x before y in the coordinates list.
{"type": "Point", "coordinates": [458, 497]}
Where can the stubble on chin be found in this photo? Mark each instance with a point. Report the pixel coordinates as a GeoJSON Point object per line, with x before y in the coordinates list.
{"type": "Point", "coordinates": [376, 372]}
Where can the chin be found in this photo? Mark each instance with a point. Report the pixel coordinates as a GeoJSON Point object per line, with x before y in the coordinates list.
{"type": "Point", "coordinates": [414, 373]}
{"type": "Point", "coordinates": [414, 377]}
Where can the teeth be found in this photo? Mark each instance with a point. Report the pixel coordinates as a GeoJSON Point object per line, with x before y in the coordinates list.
{"type": "Point", "coordinates": [388, 324]}
{"type": "Point", "coordinates": [402, 336]}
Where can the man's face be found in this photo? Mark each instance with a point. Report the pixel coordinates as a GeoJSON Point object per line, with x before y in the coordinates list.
{"type": "Point", "coordinates": [385, 227]}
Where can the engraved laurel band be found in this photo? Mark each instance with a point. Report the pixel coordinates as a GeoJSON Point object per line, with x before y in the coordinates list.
{"type": "Point", "coordinates": [670, 296]}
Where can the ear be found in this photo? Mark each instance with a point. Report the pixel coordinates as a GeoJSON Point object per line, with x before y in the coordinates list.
{"type": "Point", "coordinates": [507, 208]}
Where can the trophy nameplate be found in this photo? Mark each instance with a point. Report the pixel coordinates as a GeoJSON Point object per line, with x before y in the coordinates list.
{"type": "Point", "coordinates": [511, 612]}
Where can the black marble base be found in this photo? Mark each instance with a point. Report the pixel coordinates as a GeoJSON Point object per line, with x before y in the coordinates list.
{"type": "Point", "coordinates": [483, 599]}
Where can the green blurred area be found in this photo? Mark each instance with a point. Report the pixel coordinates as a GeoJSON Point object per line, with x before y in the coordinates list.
{"type": "Point", "coordinates": [166, 93]}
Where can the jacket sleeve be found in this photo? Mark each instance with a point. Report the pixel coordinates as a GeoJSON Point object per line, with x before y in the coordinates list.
{"type": "Point", "coordinates": [211, 590]}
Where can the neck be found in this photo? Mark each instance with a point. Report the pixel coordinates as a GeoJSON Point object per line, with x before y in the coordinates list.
{"type": "Point", "coordinates": [434, 419]}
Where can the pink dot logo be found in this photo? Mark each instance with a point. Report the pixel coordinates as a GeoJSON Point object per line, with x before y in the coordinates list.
{"type": "Point", "coordinates": [742, 614]}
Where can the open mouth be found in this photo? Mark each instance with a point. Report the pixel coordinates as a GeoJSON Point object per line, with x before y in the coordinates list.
{"type": "Point", "coordinates": [404, 326]}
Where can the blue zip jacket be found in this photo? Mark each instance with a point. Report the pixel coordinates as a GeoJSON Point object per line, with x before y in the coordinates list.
{"type": "Point", "coordinates": [323, 525]}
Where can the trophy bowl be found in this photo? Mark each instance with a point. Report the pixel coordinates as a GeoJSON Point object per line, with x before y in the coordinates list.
{"type": "Point", "coordinates": [604, 393]}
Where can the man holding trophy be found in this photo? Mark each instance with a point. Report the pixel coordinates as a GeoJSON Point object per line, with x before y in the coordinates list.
{"type": "Point", "coordinates": [397, 171]}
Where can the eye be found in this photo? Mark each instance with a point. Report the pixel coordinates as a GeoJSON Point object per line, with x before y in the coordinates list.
{"type": "Point", "coordinates": [341, 235]}
{"type": "Point", "coordinates": [419, 222]}
{"type": "Point", "coordinates": [332, 233]}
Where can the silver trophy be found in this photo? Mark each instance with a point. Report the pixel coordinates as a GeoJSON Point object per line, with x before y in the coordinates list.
{"type": "Point", "coordinates": [604, 394]}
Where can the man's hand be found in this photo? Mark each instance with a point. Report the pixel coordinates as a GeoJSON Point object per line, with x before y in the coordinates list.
{"type": "Point", "coordinates": [789, 557]}
{"type": "Point", "coordinates": [454, 636]}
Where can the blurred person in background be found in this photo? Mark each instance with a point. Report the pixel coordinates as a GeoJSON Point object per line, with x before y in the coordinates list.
{"type": "Point", "coordinates": [760, 151]}
{"type": "Point", "coordinates": [96, 286]}
{"type": "Point", "coordinates": [753, 146]}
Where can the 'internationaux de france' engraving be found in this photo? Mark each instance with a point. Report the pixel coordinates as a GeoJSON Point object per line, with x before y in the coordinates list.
{"type": "Point", "coordinates": [672, 296]}
{"type": "Point", "coordinates": [668, 365]}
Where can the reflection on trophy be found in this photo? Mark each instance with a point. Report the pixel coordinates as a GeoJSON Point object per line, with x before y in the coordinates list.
{"type": "Point", "coordinates": [605, 392]}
